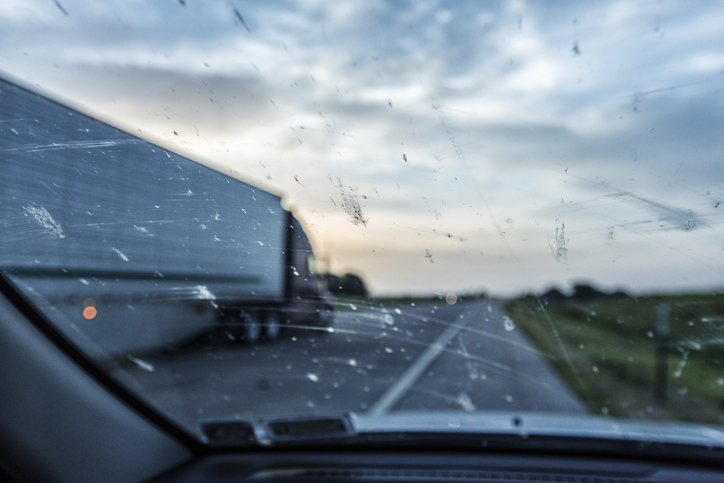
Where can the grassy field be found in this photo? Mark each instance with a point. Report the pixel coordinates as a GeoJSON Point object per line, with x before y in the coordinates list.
{"type": "Point", "coordinates": [606, 349]}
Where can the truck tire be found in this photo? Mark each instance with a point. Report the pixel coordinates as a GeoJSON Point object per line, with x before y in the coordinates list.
{"type": "Point", "coordinates": [326, 317]}
{"type": "Point", "coordinates": [252, 327]}
{"type": "Point", "coordinates": [272, 325]}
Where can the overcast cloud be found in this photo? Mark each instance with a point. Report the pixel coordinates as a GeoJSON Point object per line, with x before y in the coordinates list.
{"type": "Point", "coordinates": [503, 146]}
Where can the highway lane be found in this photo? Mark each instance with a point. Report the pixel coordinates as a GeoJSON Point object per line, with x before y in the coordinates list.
{"type": "Point", "coordinates": [427, 355]}
{"type": "Point", "coordinates": [489, 364]}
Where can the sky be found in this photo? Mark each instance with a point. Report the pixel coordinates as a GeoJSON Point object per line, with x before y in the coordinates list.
{"type": "Point", "coordinates": [428, 146]}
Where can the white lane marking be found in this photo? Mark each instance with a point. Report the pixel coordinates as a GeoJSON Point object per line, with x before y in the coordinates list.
{"type": "Point", "coordinates": [395, 392]}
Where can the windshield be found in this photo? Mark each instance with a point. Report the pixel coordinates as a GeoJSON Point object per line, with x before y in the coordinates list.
{"type": "Point", "coordinates": [253, 211]}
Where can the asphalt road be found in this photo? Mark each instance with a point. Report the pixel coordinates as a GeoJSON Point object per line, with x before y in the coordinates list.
{"type": "Point", "coordinates": [431, 356]}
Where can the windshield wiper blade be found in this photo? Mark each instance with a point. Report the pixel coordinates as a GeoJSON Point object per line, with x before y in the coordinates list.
{"type": "Point", "coordinates": [486, 431]}
{"type": "Point", "coordinates": [527, 424]}
{"type": "Point", "coordinates": [546, 432]}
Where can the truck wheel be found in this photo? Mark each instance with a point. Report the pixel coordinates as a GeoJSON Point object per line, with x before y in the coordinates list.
{"type": "Point", "coordinates": [326, 317]}
{"type": "Point", "coordinates": [272, 325]}
{"type": "Point", "coordinates": [252, 327]}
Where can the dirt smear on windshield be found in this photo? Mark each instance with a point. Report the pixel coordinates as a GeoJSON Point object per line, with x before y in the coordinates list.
{"type": "Point", "coordinates": [560, 252]}
{"type": "Point", "coordinates": [41, 215]}
{"type": "Point", "coordinates": [350, 203]}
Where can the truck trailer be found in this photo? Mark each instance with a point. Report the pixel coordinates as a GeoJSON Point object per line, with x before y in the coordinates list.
{"type": "Point", "coordinates": [135, 247]}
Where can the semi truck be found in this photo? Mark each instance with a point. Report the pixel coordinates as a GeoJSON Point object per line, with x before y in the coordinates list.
{"type": "Point", "coordinates": [133, 247]}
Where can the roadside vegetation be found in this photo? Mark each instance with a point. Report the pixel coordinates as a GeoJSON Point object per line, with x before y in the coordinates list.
{"type": "Point", "coordinates": [621, 361]}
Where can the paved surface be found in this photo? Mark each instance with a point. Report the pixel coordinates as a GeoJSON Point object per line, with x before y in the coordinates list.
{"type": "Point", "coordinates": [466, 357]}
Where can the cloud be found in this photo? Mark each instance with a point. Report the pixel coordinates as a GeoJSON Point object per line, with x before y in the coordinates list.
{"type": "Point", "coordinates": [476, 120]}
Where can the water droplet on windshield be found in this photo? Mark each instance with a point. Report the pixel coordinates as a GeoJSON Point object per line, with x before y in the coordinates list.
{"type": "Point", "coordinates": [312, 377]}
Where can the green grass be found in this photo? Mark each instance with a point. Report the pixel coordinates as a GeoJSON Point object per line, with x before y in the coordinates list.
{"type": "Point", "coordinates": [605, 349]}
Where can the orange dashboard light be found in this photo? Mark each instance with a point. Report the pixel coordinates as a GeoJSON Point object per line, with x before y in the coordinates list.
{"type": "Point", "coordinates": [90, 312]}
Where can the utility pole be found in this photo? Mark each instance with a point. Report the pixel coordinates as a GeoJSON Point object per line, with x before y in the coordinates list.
{"type": "Point", "coordinates": [661, 375]}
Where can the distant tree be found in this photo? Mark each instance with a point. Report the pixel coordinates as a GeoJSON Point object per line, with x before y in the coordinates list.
{"type": "Point", "coordinates": [553, 295]}
{"type": "Point", "coordinates": [584, 291]}
{"type": "Point", "coordinates": [348, 284]}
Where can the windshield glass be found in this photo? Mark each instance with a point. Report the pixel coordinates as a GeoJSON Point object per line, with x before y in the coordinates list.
{"type": "Point", "coordinates": [244, 211]}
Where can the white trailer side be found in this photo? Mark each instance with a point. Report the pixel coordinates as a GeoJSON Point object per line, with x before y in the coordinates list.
{"type": "Point", "coordinates": [92, 214]}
